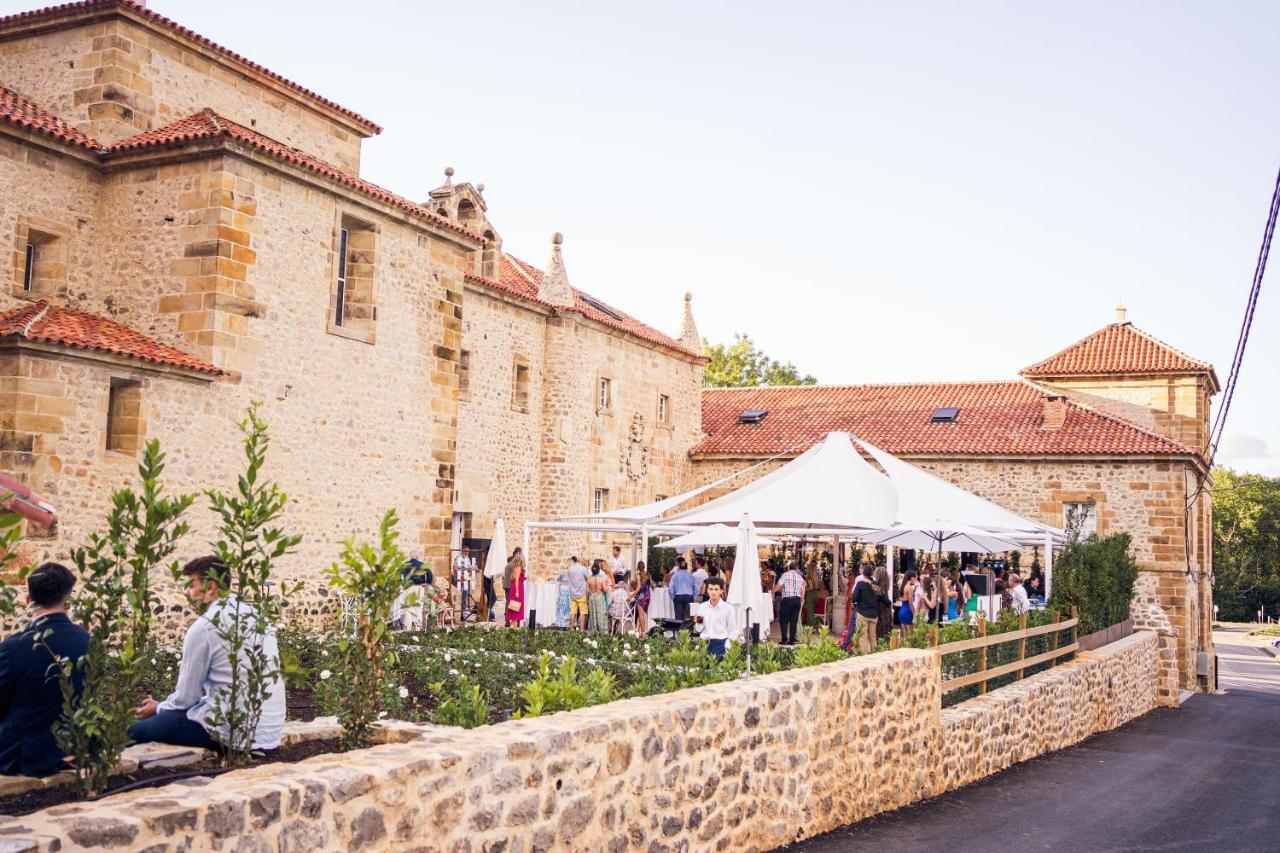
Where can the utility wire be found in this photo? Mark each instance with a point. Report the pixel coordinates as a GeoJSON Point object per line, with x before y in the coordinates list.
{"type": "Point", "coordinates": [1219, 423]}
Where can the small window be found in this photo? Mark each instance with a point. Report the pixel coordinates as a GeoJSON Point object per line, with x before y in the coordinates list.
{"type": "Point", "coordinates": [1080, 518]}
{"type": "Point", "coordinates": [752, 416]}
{"type": "Point", "coordinates": [520, 387]}
{"type": "Point", "coordinates": [664, 409]}
{"type": "Point", "coordinates": [29, 271]}
{"type": "Point", "coordinates": [464, 375]}
{"type": "Point", "coordinates": [599, 503]}
{"type": "Point", "coordinates": [40, 259]}
{"type": "Point", "coordinates": [945, 415]}
{"type": "Point", "coordinates": [352, 309]}
{"type": "Point", "coordinates": [125, 426]}
{"type": "Point", "coordinates": [604, 397]}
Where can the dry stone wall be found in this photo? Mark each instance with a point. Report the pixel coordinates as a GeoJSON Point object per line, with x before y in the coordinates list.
{"type": "Point", "coordinates": [745, 765]}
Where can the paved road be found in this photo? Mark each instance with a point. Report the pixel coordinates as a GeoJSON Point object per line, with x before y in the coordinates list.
{"type": "Point", "coordinates": [1244, 664]}
{"type": "Point", "coordinates": [1205, 776]}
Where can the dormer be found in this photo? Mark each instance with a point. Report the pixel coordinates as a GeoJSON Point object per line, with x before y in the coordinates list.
{"type": "Point", "coordinates": [464, 204]}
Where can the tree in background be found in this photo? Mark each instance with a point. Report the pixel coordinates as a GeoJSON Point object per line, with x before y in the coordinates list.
{"type": "Point", "coordinates": [741, 364]}
{"type": "Point", "coordinates": [1246, 544]}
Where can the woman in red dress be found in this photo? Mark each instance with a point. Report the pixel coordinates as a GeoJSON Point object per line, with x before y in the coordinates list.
{"type": "Point", "coordinates": [515, 598]}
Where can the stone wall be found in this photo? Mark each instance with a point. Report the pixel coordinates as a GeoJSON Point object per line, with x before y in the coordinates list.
{"type": "Point", "coordinates": [746, 765]}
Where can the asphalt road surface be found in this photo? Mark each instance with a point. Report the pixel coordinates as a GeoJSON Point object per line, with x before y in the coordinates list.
{"type": "Point", "coordinates": [1245, 664]}
{"type": "Point", "coordinates": [1205, 776]}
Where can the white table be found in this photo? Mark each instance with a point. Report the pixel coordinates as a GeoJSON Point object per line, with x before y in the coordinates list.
{"type": "Point", "coordinates": [660, 605]}
{"type": "Point", "coordinates": [541, 597]}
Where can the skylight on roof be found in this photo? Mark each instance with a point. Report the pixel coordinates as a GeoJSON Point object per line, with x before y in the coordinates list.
{"type": "Point", "coordinates": [945, 415]}
{"type": "Point", "coordinates": [752, 416]}
{"type": "Point", "coordinates": [600, 306]}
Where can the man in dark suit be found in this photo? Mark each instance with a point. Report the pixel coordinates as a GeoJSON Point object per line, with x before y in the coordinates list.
{"type": "Point", "coordinates": [30, 693]}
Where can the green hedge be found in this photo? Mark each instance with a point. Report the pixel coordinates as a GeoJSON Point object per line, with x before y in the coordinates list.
{"type": "Point", "coordinates": [1097, 576]}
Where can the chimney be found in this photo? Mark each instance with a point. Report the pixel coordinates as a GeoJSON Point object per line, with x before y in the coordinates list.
{"type": "Point", "coordinates": [1055, 412]}
{"type": "Point", "coordinates": [1120, 312]}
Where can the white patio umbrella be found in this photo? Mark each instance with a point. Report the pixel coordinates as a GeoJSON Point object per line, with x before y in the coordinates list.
{"type": "Point", "coordinates": [712, 536]}
{"type": "Point", "coordinates": [940, 535]}
{"type": "Point", "coordinates": [744, 587]}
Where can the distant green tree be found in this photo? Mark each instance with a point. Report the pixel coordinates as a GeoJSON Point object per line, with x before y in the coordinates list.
{"type": "Point", "coordinates": [741, 364]}
{"type": "Point", "coordinates": [1246, 544]}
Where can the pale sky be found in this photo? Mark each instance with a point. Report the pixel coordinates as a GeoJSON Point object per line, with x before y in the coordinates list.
{"type": "Point", "coordinates": [877, 191]}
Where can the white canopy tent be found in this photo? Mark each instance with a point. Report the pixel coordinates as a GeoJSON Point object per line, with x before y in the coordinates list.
{"type": "Point", "coordinates": [711, 536]}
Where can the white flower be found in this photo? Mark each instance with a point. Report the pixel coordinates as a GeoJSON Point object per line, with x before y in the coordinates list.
{"type": "Point", "coordinates": [404, 692]}
{"type": "Point", "coordinates": [447, 657]}
{"type": "Point", "coordinates": [453, 672]}
{"type": "Point", "coordinates": [324, 674]}
{"type": "Point", "coordinates": [381, 714]}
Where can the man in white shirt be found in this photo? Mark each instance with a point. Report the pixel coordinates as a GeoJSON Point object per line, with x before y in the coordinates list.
{"type": "Point", "coordinates": [700, 575]}
{"type": "Point", "coordinates": [204, 673]}
{"type": "Point", "coordinates": [715, 619]}
{"type": "Point", "coordinates": [617, 565]}
{"type": "Point", "coordinates": [1018, 594]}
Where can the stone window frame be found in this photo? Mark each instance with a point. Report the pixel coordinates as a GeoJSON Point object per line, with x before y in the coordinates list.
{"type": "Point", "coordinates": [464, 374]}
{"type": "Point", "coordinates": [50, 248]}
{"type": "Point", "coordinates": [520, 392]}
{"type": "Point", "coordinates": [662, 411]}
{"type": "Point", "coordinates": [604, 395]}
{"type": "Point", "coordinates": [599, 503]}
{"type": "Point", "coordinates": [1093, 516]}
{"type": "Point", "coordinates": [125, 430]}
{"type": "Point", "coordinates": [359, 317]}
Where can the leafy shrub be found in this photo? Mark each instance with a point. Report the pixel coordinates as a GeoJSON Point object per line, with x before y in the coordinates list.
{"type": "Point", "coordinates": [466, 705]}
{"type": "Point", "coordinates": [565, 689]}
{"type": "Point", "coordinates": [1096, 575]}
{"type": "Point", "coordinates": [818, 648]}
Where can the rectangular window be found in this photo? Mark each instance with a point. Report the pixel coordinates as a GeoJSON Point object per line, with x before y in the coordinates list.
{"type": "Point", "coordinates": [125, 427]}
{"type": "Point", "coordinates": [604, 401]}
{"type": "Point", "coordinates": [599, 503]}
{"type": "Point", "coordinates": [464, 374]}
{"type": "Point", "coordinates": [29, 271]}
{"type": "Point", "coordinates": [353, 311]}
{"type": "Point", "coordinates": [340, 307]}
{"type": "Point", "coordinates": [664, 409]}
{"type": "Point", "coordinates": [520, 386]}
{"type": "Point", "coordinates": [1080, 517]}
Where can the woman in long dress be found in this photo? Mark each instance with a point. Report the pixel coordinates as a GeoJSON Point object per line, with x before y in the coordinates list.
{"type": "Point", "coordinates": [644, 595]}
{"type": "Point", "coordinates": [562, 599]}
{"type": "Point", "coordinates": [515, 598]}
{"type": "Point", "coordinates": [597, 600]}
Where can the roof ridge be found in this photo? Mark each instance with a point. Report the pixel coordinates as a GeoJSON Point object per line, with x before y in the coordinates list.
{"type": "Point", "coordinates": [841, 386]}
{"type": "Point", "coordinates": [1125, 422]}
{"type": "Point", "coordinates": [42, 121]}
{"type": "Point", "coordinates": [205, 41]}
{"type": "Point", "coordinates": [42, 309]}
{"type": "Point", "coordinates": [1108, 351]}
{"type": "Point", "coordinates": [1204, 364]}
{"type": "Point", "coordinates": [1095, 333]}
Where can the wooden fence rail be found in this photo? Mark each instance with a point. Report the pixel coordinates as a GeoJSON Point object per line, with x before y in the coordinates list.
{"type": "Point", "coordinates": [984, 641]}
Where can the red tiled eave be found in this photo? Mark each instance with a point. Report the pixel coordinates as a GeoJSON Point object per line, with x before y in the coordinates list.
{"type": "Point", "coordinates": [208, 125]}
{"type": "Point", "coordinates": [1115, 350]}
{"type": "Point", "coordinates": [52, 324]}
{"type": "Point", "coordinates": [18, 111]}
{"type": "Point", "coordinates": [92, 8]}
{"type": "Point", "coordinates": [996, 418]}
{"type": "Point", "coordinates": [521, 279]}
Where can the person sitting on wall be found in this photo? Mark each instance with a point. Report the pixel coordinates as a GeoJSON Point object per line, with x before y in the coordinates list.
{"type": "Point", "coordinates": [204, 673]}
{"type": "Point", "coordinates": [30, 690]}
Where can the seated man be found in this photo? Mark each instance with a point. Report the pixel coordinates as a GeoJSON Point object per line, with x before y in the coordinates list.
{"type": "Point", "coordinates": [30, 689]}
{"type": "Point", "coordinates": [204, 674]}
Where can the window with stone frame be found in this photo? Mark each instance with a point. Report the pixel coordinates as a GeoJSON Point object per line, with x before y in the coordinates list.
{"type": "Point", "coordinates": [40, 258]}
{"type": "Point", "coordinates": [353, 309]}
{"type": "Point", "coordinates": [464, 375]}
{"type": "Point", "coordinates": [520, 385]}
{"type": "Point", "coordinates": [1080, 518]}
{"type": "Point", "coordinates": [604, 394]}
{"type": "Point", "coordinates": [126, 428]}
{"type": "Point", "coordinates": [599, 503]}
{"type": "Point", "coordinates": [664, 409]}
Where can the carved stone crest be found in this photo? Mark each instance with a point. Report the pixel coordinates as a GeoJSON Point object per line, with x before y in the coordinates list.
{"type": "Point", "coordinates": [634, 461]}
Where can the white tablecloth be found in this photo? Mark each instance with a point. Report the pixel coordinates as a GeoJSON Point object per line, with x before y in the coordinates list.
{"type": "Point", "coordinates": [661, 607]}
{"type": "Point", "coordinates": [541, 597]}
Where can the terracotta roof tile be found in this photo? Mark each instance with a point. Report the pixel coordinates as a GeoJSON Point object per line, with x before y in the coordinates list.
{"type": "Point", "coordinates": [1119, 348]}
{"type": "Point", "coordinates": [996, 418]}
{"type": "Point", "coordinates": [92, 7]}
{"type": "Point", "coordinates": [207, 124]}
{"type": "Point", "coordinates": [53, 324]}
{"type": "Point", "coordinates": [521, 279]}
{"type": "Point", "coordinates": [17, 110]}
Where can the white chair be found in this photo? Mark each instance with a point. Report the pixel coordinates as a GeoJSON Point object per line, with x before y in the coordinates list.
{"type": "Point", "coordinates": [618, 624]}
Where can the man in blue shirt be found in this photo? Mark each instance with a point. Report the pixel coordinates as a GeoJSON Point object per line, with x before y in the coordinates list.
{"type": "Point", "coordinates": [682, 587]}
{"type": "Point", "coordinates": [30, 692]}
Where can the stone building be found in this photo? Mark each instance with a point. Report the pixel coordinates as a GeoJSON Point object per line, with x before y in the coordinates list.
{"type": "Point", "coordinates": [190, 234]}
{"type": "Point", "coordinates": [1114, 426]}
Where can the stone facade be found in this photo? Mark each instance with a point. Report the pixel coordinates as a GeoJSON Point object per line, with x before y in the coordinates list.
{"type": "Point", "coordinates": [745, 765]}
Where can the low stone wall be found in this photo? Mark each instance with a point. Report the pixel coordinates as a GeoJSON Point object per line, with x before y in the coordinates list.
{"type": "Point", "coordinates": [746, 765]}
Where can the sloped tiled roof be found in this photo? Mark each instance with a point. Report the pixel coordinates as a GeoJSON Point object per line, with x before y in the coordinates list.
{"type": "Point", "coordinates": [1119, 348]}
{"type": "Point", "coordinates": [521, 279]}
{"type": "Point", "coordinates": [996, 418]}
{"type": "Point", "coordinates": [53, 324]}
{"type": "Point", "coordinates": [88, 8]}
{"type": "Point", "coordinates": [207, 124]}
{"type": "Point", "coordinates": [18, 111]}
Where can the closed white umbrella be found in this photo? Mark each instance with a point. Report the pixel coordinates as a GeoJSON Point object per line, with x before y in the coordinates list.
{"type": "Point", "coordinates": [496, 560]}
{"type": "Point", "coordinates": [940, 536]}
{"type": "Point", "coordinates": [744, 587]}
{"type": "Point", "coordinates": [712, 536]}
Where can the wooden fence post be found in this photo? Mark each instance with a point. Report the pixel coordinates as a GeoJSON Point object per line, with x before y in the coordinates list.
{"type": "Point", "coordinates": [1053, 638]}
{"type": "Point", "coordinates": [982, 656]}
{"type": "Point", "coordinates": [893, 642]}
{"type": "Point", "coordinates": [1022, 642]}
{"type": "Point", "coordinates": [1075, 629]}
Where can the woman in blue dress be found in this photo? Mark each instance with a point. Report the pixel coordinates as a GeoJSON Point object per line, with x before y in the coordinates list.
{"type": "Point", "coordinates": [562, 599]}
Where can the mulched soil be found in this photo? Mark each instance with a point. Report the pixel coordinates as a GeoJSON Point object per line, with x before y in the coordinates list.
{"type": "Point", "coordinates": [43, 798]}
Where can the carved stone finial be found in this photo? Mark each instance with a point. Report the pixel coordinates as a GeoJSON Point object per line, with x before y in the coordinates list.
{"type": "Point", "coordinates": [448, 176]}
{"type": "Point", "coordinates": [689, 338]}
{"type": "Point", "coordinates": [480, 188]}
{"type": "Point", "coordinates": [557, 239]}
{"type": "Point", "coordinates": [555, 288]}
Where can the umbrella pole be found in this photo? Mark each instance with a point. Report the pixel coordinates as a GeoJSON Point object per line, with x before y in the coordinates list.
{"type": "Point", "coordinates": [750, 639]}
